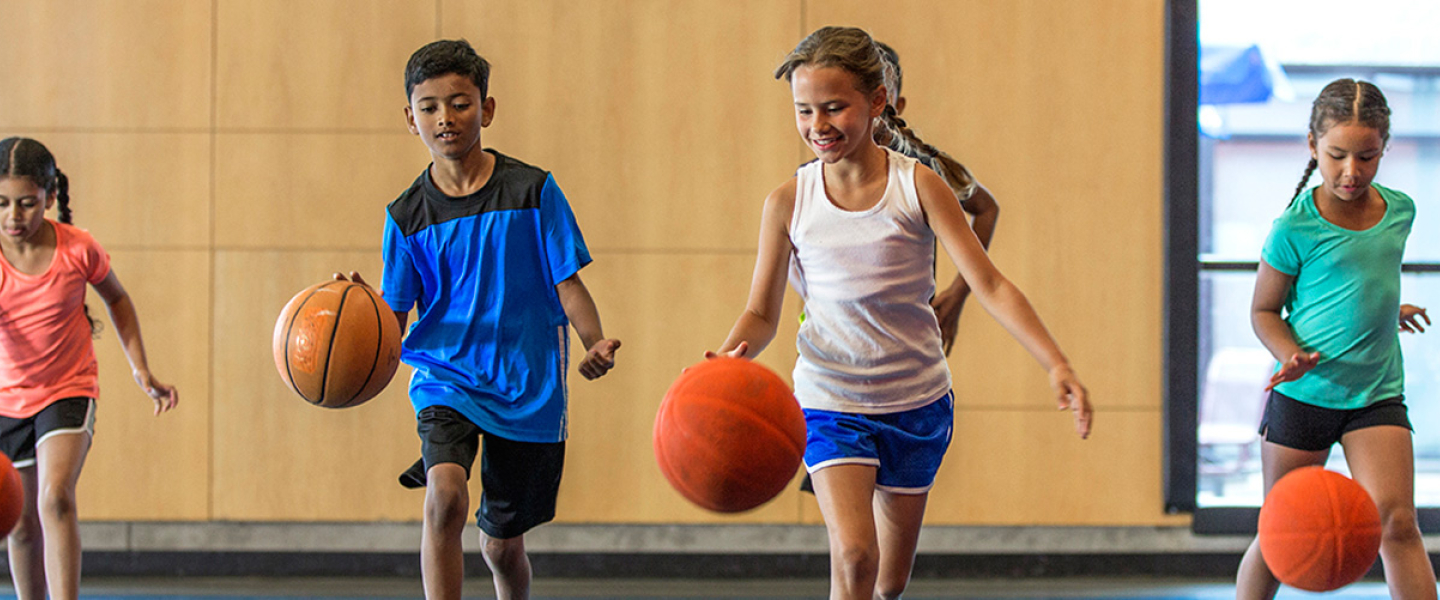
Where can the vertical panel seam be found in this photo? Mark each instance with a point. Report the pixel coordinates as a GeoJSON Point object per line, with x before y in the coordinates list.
{"type": "Point", "coordinates": [214, 162]}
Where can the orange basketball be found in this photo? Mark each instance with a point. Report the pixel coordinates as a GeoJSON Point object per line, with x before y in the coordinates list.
{"type": "Point", "coordinates": [729, 435]}
{"type": "Point", "coordinates": [337, 344]}
{"type": "Point", "coordinates": [12, 496]}
{"type": "Point", "coordinates": [1319, 530]}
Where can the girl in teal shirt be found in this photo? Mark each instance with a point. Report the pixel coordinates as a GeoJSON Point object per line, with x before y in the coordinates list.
{"type": "Point", "coordinates": [1327, 305]}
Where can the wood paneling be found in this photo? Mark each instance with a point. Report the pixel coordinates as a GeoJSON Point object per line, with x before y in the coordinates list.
{"type": "Point", "coordinates": [144, 467]}
{"type": "Point", "coordinates": [1064, 126]}
{"type": "Point", "coordinates": [137, 190]}
{"type": "Point", "coordinates": [303, 191]}
{"type": "Point", "coordinates": [106, 63]}
{"type": "Point", "coordinates": [317, 65]}
{"type": "Point", "coordinates": [659, 119]}
{"type": "Point", "coordinates": [276, 457]}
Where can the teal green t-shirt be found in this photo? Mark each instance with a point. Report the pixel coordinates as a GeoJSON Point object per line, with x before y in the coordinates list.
{"type": "Point", "coordinates": [1345, 303]}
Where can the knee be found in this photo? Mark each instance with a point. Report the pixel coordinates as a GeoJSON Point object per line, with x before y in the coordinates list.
{"type": "Point", "coordinates": [27, 529]}
{"type": "Point", "coordinates": [502, 551]}
{"type": "Point", "coordinates": [885, 591]}
{"type": "Point", "coordinates": [1399, 525]}
{"type": "Point", "coordinates": [56, 501]}
{"type": "Point", "coordinates": [858, 565]}
{"type": "Point", "coordinates": [446, 507]}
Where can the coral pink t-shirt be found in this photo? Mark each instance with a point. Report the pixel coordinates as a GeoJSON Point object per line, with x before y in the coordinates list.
{"type": "Point", "coordinates": [46, 352]}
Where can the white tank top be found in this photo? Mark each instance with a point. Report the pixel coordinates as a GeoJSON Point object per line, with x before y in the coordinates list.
{"type": "Point", "coordinates": [870, 342]}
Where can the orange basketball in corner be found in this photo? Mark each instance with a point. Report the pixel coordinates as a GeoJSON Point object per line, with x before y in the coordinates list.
{"type": "Point", "coordinates": [12, 496]}
{"type": "Point", "coordinates": [1319, 530]}
{"type": "Point", "coordinates": [729, 435]}
{"type": "Point", "coordinates": [337, 344]}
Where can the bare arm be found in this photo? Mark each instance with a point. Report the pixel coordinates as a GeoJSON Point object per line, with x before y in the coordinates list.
{"type": "Point", "coordinates": [580, 309]}
{"type": "Point", "coordinates": [949, 302]}
{"type": "Point", "coordinates": [1271, 289]}
{"type": "Point", "coordinates": [127, 327]}
{"type": "Point", "coordinates": [756, 327]}
{"type": "Point", "coordinates": [999, 296]}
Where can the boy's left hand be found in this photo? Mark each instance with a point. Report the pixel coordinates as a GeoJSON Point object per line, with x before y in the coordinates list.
{"type": "Point", "coordinates": [1410, 317]}
{"type": "Point", "coordinates": [599, 359]}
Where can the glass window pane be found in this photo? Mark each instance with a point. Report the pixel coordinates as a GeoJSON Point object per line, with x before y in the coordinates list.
{"type": "Point", "coordinates": [1235, 367]}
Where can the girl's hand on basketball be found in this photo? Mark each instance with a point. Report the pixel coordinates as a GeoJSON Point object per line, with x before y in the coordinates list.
{"type": "Point", "coordinates": [164, 396]}
{"type": "Point", "coordinates": [599, 359]}
{"type": "Point", "coordinates": [1410, 317]}
{"type": "Point", "coordinates": [1070, 394]}
{"type": "Point", "coordinates": [1299, 364]}
{"type": "Point", "coordinates": [738, 352]}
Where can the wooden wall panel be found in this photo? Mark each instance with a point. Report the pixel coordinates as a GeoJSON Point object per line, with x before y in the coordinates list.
{"type": "Point", "coordinates": [276, 457]}
{"type": "Point", "coordinates": [144, 467]}
{"type": "Point", "coordinates": [666, 315]}
{"type": "Point", "coordinates": [137, 190]}
{"type": "Point", "coordinates": [659, 119]}
{"type": "Point", "coordinates": [1064, 126]}
{"type": "Point", "coordinates": [309, 191]}
{"type": "Point", "coordinates": [326, 65]}
{"type": "Point", "coordinates": [106, 63]}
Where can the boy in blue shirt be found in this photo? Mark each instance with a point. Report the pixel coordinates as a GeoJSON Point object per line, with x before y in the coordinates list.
{"type": "Point", "coordinates": [487, 252]}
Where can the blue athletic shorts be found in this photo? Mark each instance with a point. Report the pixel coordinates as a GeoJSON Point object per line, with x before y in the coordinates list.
{"type": "Point", "coordinates": [905, 448]}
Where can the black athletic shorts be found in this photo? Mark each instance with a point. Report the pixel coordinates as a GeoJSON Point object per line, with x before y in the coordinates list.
{"type": "Point", "coordinates": [1295, 424]}
{"type": "Point", "coordinates": [19, 437]}
{"type": "Point", "coordinates": [520, 480]}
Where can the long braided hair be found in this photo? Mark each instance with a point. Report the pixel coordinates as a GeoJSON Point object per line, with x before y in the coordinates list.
{"type": "Point", "coordinates": [28, 158]}
{"type": "Point", "coordinates": [1343, 101]}
{"type": "Point", "coordinates": [902, 139]}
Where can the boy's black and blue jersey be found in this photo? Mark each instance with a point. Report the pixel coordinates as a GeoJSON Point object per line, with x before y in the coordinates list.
{"type": "Point", "coordinates": [491, 339]}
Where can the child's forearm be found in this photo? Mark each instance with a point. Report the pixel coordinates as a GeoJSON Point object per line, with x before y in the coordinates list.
{"type": "Point", "coordinates": [1013, 311]}
{"type": "Point", "coordinates": [580, 310]}
{"type": "Point", "coordinates": [1275, 334]}
{"type": "Point", "coordinates": [127, 328]}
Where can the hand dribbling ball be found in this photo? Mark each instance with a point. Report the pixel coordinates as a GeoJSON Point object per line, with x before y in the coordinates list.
{"type": "Point", "coordinates": [1319, 530]}
{"type": "Point", "coordinates": [729, 435]}
{"type": "Point", "coordinates": [337, 344]}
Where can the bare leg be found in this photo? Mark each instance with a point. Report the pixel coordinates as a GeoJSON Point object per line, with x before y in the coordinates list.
{"type": "Point", "coordinates": [26, 544]}
{"type": "Point", "coordinates": [511, 567]}
{"type": "Point", "coordinates": [59, 459]}
{"type": "Point", "coordinates": [1382, 460]}
{"type": "Point", "coordinates": [1255, 581]}
{"type": "Point", "coordinates": [898, 520]}
{"type": "Point", "coordinates": [845, 494]}
{"type": "Point", "coordinates": [442, 557]}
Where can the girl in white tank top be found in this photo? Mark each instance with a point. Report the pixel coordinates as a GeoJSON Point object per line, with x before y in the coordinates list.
{"type": "Point", "coordinates": [861, 225]}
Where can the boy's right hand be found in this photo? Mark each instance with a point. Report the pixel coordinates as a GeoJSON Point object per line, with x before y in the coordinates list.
{"type": "Point", "coordinates": [599, 359]}
{"type": "Point", "coordinates": [1299, 364]}
{"type": "Point", "coordinates": [354, 276]}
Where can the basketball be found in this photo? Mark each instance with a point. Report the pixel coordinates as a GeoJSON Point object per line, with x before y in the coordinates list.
{"type": "Point", "coordinates": [12, 496]}
{"type": "Point", "coordinates": [1319, 530]}
{"type": "Point", "coordinates": [729, 435]}
{"type": "Point", "coordinates": [337, 344]}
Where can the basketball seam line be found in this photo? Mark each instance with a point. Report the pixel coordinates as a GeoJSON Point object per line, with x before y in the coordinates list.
{"type": "Point", "coordinates": [330, 348]}
{"type": "Point", "coordinates": [379, 345]}
{"type": "Point", "coordinates": [289, 331]}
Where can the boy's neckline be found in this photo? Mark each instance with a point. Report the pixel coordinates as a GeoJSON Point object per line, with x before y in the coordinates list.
{"type": "Point", "coordinates": [453, 180]}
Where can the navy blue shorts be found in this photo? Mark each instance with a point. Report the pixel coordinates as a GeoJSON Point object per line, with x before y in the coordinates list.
{"type": "Point", "coordinates": [905, 447]}
{"type": "Point", "coordinates": [1295, 424]}
{"type": "Point", "coordinates": [520, 480]}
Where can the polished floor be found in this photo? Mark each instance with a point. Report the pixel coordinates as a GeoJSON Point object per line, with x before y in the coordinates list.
{"type": "Point", "coordinates": [609, 589]}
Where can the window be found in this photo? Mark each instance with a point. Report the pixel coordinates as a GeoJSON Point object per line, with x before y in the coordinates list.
{"type": "Point", "coordinates": [1260, 66]}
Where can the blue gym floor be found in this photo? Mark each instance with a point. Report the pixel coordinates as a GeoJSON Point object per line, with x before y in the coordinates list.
{"type": "Point", "coordinates": [609, 589]}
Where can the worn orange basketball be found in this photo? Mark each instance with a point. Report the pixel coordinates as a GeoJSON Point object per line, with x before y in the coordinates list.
{"type": "Point", "coordinates": [12, 496]}
{"type": "Point", "coordinates": [1319, 530]}
{"type": "Point", "coordinates": [729, 435]}
{"type": "Point", "coordinates": [337, 344]}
